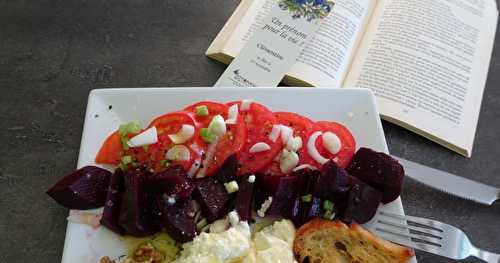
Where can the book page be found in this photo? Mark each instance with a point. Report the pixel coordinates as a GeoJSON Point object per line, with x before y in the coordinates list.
{"type": "Point", "coordinates": [324, 62]}
{"type": "Point", "coordinates": [427, 63]}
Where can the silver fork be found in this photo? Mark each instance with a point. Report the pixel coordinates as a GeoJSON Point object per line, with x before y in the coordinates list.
{"type": "Point", "coordinates": [429, 235]}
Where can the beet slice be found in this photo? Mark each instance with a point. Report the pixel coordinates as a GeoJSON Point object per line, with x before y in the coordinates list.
{"type": "Point", "coordinates": [171, 181]}
{"type": "Point", "coordinates": [306, 180]}
{"type": "Point", "coordinates": [177, 218]}
{"type": "Point", "coordinates": [332, 183]}
{"type": "Point", "coordinates": [362, 203]}
{"type": "Point", "coordinates": [85, 188]}
{"type": "Point", "coordinates": [380, 171]}
{"type": "Point", "coordinates": [285, 192]}
{"type": "Point", "coordinates": [137, 212]}
{"type": "Point", "coordinates": [112, 206]}
{"type": "Point", "coordinates": [244, 199]}
{"type": "Point", "coordinates": [229, 170]}
{"type": "Point", "coordinates": [212, 197]}
{"type": "Point", "coordinates": [315, 209]}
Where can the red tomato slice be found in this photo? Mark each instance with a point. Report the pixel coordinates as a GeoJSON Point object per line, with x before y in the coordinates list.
{"type": "Point", "coordinates": [111, 150]}
{"type": "Point", "coordinates": [214, 109]}
{"type": "Point", "coordinates": [348, 144]}
{"type": "Point", "coordinates": [259, 122]}
{"type": "Point", "coordinates": [167, 124]}
{"type": "Point", "coordinates": [301, 127]}
{"type": "Point", "coordinates": [230, 143]}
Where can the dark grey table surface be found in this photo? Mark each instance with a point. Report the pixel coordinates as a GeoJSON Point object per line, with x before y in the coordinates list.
{"type": "Point", "coordinates": [52, 53]}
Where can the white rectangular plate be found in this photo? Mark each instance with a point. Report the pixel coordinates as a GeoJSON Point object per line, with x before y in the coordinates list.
{"type": "Point", "coordinates": [355, 108]}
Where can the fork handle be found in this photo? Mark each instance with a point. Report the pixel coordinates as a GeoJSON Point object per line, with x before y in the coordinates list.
{"type": "Point", "coordinates": [487, 256]}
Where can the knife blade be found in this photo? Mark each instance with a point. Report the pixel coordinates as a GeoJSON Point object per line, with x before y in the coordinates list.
{"type": "Point", "coordinates": [450, 183]}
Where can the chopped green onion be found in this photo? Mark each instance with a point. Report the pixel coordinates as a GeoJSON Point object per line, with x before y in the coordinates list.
{"type": "Point", "coordinates": [124, 140]}
{"type": "Point", "coordinates": [329, 215]}
{"type": "Point", "coordinates": [206, 135]}
{"type": "Point", "coordinates": [145, 148]}
{"type": "Point", "coordinates": [131, 127]}
{"type": "Point", "coordinates": [306, 198]}
{"type": "Point", "coordinates": [328, 205]}
{"type": "Point", "coordinates": [165, 162]}
{"type": "Point", "coordinates": [201, 110]}
{"type": "Point", "coordinates": [126, 159]}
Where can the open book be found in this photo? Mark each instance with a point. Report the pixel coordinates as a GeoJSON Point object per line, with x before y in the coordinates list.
{"type": "Point", "coordinates": [425, 60]}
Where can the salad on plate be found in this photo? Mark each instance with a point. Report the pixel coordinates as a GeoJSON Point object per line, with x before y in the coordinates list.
{"type": "Point", "coordinates": [237, 182]}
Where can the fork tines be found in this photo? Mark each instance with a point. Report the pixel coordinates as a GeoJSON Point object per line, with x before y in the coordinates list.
{"type": "Point", "coordinates": [410, 231]}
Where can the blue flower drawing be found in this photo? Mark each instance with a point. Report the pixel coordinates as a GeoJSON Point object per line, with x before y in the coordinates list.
{"type": "Point", "coordinates": [309, 9]}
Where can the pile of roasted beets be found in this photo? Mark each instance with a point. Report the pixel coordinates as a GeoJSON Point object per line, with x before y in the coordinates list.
{"type": "Point", "coordinates": [138, 202]}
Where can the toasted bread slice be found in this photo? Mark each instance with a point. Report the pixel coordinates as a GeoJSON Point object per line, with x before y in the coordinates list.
{"type": "Point", "coordinates": [333, 241]}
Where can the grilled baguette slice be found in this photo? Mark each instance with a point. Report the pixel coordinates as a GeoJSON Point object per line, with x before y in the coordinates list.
{"type": "Point", "coordinates": [328, 241]}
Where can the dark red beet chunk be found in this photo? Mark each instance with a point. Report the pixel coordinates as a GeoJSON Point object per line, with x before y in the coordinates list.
{"type": "Point", "coordinates": [112, 206]}
{"type": "Point", "coordinates": [177, 218]}
{"type": "Point", "coordinates": [282, 203]}
{"type": "Point", "coordinates": [229, 170]}
{"type": "Point", "coordinates": [362, 203]}
{"type": "Point", "coordinates": [244, 199]}
{"type": "Point", "coordinates": [333, 182]}
{"type": "Point", "coordinates": [212, 197]}
{"type": "Point", "coordinates": [171, 181]}
{"type": "Point", "coordinates": [306, 178]}
{"type": "Point", "coordinates": [85, 188]}
{"type": "Point", "coordinates": [137, 212]}
{"type": "Point", "coordinates": [314, 209]}
{"type": "Point", "coordinates": [380, 171]}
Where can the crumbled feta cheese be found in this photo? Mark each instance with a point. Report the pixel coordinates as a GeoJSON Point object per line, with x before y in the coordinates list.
{"type": "Point", "coordinates": [234, 219]}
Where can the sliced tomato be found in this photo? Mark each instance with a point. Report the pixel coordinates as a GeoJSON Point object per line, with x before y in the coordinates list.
{"type": "Point", "coordinates": [214, 109]}
{"type": "Point", "coordinates": [167, 124]}
{"type": "Point", "coordinates": [259, 122]}
{"type": "Point", "coordinates": [228, 144]}
{"type": "Point", "coordinates": [111, 150]}
{"type": "Point", "coordinates": [301, 127]}
{"type": "Point", "coordinates": [348, 144]}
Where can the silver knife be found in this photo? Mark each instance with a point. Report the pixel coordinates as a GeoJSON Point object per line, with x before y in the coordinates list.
{"type": "Point", "coordinates": [450, 183]}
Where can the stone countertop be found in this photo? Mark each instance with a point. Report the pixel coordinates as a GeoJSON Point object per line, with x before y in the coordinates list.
{"type": "Point", "coordinates": [52, 53]}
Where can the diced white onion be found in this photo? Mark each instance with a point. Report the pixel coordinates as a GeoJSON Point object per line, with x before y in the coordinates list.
{"type": "Point", "coordinates": [146, 137]}
{"type": "Point", "coordinates": [183, 135]}
{"type": "Point", "coordinates": [259, 147]}
{"type": "Point", "coordinates": [178, 153]}
{"type": "Point", "coordinates": [265, 206]}
{"type": "Point", "coordinates": [231, 187]}
{"type": "Point", "coordinates": [331, 142]}
{"type": "Point", "coordinates": [245, 104]}
{"type": "Point", "coordinates": [251, 179]}
{"type": "Point", "coordinates": [217, 126]}
{"type": "Point", "coordinates": [288, 161]}
{"type": "Point", "coordinates": [275, 133]}
{"type": "Point", "coordinates": [312, 151]}
{"type": "Point", "coordinates": [304, 166]}
{"type": "Point", "coordinates": [286, 133]}
{"type": "Point", "coordinates": [294, 144]}
{"type": "Point", "coordinates": [232, 114]}
{"type": "Point", "coordinates": [208, 157]}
